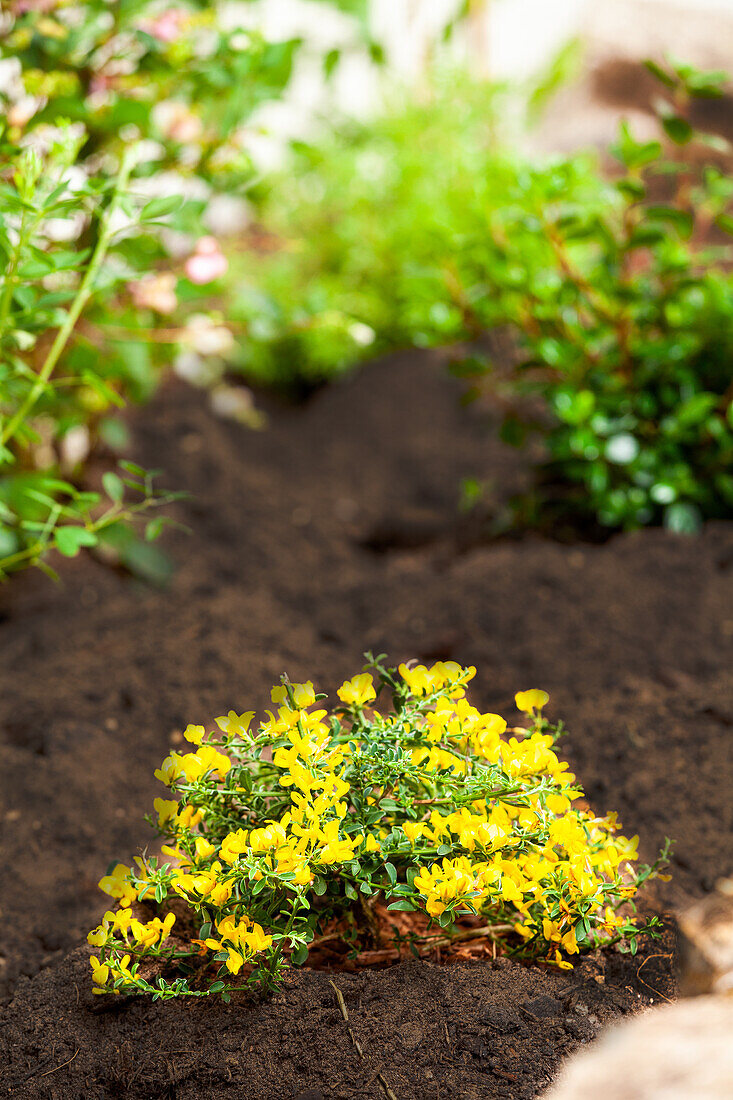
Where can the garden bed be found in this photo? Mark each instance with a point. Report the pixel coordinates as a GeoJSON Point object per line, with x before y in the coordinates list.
{"type": "Point", "coordinates": [333, 532]}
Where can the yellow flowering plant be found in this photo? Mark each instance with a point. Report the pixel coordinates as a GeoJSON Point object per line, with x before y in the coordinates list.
{"type": "Point", "coordinates": [280, 828]}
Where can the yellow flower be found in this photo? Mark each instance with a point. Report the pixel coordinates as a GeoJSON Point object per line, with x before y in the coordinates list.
{"type": "Point", "coordinates": [166, 810]}
{"type": "Point", "coordinates": [336, 849]}
{"type": "Point", "coordinates": [221, 893]}
{"type": "Point", "coordinates": [233, 845]}
{"type": "Point", "coordinates": [234, 723]}
{"type": "Point", "coordinates": [413, 830]}
{"type": "Point", "coordinates": [533, 861]}
{"type": "Point", "coordinates": [145, 934]}
{"type": "Point", "coordinates": [264, 840]}
{"type": "Point", "coordinates": [358, 691]}
{"type": "Point", "coordinates": [570, 943]}
{"type": "Point", "coordinates": [100, 971]}
{"type": "Point", "coordinates": [194, 734]}
{"type": "Point", "coordinates": [217, 761]}
{"type": "Point", "coordinates": [234, 961]}
{"type": "Point", "coordinates": [121, 968]}
{"type": "Point", "coordinates": [528, 701]}
{"type": "Point", "coordinates": [175, 853]}
{"type": "Point", "coordinates": [303, 694]}
{"type": "Point", "coordinates": [98, 937]}
{"type": "Point", "coordinates": [569, 833]}
{"type": "Point", "coordinates": [204, 847]}
{"type": "Point", "coordinates": [256, 939]}
{"type": "Point", "coordinates": [121, 919]}
{"type": "Point", "coordinates": [119, 885]}
{"type": "Point", "coordinates": [169, 770]}
{"type": "Point", "coordinates": [189, 817]}
{"type": "Point", "coordinates": [561, 962]}
{"type": "Point", "coordinates": [418, 679]}
{"type": "Point", "coordinates": [166, 926]}
{"type": "Point", "coordinates": [558, 803]}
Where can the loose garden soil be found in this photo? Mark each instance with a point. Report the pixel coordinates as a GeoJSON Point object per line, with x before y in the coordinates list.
{"type": "Point", "coordinates": [335, 531]}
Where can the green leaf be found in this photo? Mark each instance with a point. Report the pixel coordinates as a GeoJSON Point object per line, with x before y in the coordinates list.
{"type": "Point", "coordinates": [391, 872]}
{"type": "Point", "coordinates": [330, 61]}
{"type": "Point", "coordinates": [159, 208]}
{"type": "Point", "coordinates": [656, 70]}
{"type": "Point", "coordinates": [631, 189]}
{"type": "Point", "coordinates": [725, 222]}
{"type": "Point", "coordinates": [154, 529]}
{"type": "Point", "coordinates": [113, 486]}
{"type": "Point", "coordinates": [678, 129]}
{"type": "Point", "coordinates": [299, 955]}
{"type": "Point", "coordinates": [403, 906]}
{"type": "Point", "coordinates": [100, 386]}
{"type": "Point", "coordinates": [695, 409]}
{"type": "Point", "coordinates": [389, 804]}
{"type": "Point", "coordinates": [69, 540]}
{"type": "Point", "coordinates": [682, 220]}
{"type": "Point", "coordinates": [633, 153]}
{"type": "Point", "coordinates": [133, 468]}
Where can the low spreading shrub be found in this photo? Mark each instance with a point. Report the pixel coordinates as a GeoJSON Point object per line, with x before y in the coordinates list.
{"type": "Point", "coordinates": [282, 829]}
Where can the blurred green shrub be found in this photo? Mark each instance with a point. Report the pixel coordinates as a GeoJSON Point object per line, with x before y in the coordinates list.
{"type": "Point", "coordinates": [365, 233]}
{"type": "Point", "coordinates": [624, 308]}
{"type": "Point", "coordinates": [106, 252]}
{"type": "Point", "coordinates": [120, 289]}
{"type": "Point", "coordinates": [418, 229]}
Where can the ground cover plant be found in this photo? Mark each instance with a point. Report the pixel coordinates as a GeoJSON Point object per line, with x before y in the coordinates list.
{"type": "Point", "coordinates": [282, 829]}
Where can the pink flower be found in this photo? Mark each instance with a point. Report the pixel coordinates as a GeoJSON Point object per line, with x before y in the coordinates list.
{"type": "Point", "coordinates": [156, 292]}
{"type": "Point", "coordinates": [207, 263]}
{"type": "Point", "coordinates": [167, 26]}
{"type": "Point", "coordinates": [23, 6]}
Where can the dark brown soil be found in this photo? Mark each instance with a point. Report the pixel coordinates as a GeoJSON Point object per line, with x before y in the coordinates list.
{"type": "Point", "coordinates": [462, 1032]}
{"type": "Point", "coordinates": [333, 532]}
